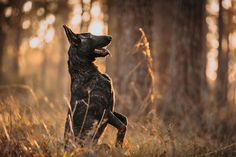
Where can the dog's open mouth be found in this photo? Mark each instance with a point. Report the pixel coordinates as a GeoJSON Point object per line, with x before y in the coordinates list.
{"type": "Point", "coordinates": [101, 52]}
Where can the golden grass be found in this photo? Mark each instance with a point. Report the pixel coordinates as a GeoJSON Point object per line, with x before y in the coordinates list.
{"type": "Point", "coordinates": [149, 136]}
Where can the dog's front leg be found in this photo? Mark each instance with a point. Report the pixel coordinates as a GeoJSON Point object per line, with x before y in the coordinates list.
{"type": "Point", "coordinates": [121, 127]}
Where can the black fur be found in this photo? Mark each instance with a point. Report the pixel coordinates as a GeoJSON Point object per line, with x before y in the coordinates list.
{"type": "Point", "coordinates": [92, 99]}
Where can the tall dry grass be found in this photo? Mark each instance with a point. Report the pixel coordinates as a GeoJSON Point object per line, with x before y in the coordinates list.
{"type": "Point", "coordinates": [43, 136]}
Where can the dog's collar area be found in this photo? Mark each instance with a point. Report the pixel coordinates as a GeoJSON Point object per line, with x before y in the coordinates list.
{"type": "Point", "coordinates": [81, 69]}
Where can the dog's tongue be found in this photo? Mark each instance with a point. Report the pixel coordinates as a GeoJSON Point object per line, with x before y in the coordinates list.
{"type": "Point", "coordinates": [101, 52]}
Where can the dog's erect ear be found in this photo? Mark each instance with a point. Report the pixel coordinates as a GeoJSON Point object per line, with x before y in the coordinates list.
{"type": "Point", "coordinates": [72, 37]}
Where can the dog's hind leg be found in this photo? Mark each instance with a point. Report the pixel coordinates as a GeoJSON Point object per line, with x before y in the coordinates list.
{"type": "Point", "coordinates": [121, 127]}
{"type": "Point", "coordinates": [121, 117]}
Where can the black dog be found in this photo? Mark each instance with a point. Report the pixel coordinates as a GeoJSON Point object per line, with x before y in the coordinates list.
{"type": "Point", "coordinates": [92, 99]}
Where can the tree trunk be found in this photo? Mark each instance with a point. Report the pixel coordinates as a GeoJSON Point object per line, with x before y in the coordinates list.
{"type": "Point", "coordinates": [15, 58]}
{"type": "Point", "coordinates": [223, 59]}
{"type": "Point", "coordinates": [162, 31]}
{"type": "Point", "coordinates": [188, 58]}
{"type": "Point", "coordinates": [15, 37]}
{"type": "Point", "coordinates": [63, 17]}
{"type": "Point", "coordinates": [129, 66]}
{"type": "Point", "coordinates": [2, 41]}
{"type": "Point", "coordinates": [86, 8]}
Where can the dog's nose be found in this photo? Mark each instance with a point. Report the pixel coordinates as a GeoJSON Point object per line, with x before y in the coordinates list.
{"type": "Point", "coordinates": [109, 37]}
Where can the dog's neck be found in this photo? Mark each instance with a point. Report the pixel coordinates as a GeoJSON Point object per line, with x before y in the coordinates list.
{"type": "Point", "coordinates": [81, 68]}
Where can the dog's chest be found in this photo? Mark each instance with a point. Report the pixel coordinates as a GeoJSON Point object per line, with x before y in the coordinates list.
{"type": "Point", "coordinates": [98, 86]}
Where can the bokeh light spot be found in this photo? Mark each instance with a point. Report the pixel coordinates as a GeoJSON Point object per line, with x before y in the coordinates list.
{"type": "Point", "coordinates": [40, 11]}
{"type": "Point", "coordinates": [86, 16]}
{"type": "Point", "coordinates": [34, 42]}
{"type": "Point", "coordinates": [96, 27]}
{"type": "Point", "coordinates": [49, 35]}
{"type": "Point", "coordinates": [96, 10]}
{"type": "Point", "coordinates": [76, 19]}
{"type": "Point", "coordinates": [27, 6]}
{"type": "Point", "coordinates": [8, 12]}
{"type": "Point", "coordinates": [26, 24]}
{"type": "Point", "coordinates": [50, 19]}
{"type": "Point", "coordinates": [86, 1]}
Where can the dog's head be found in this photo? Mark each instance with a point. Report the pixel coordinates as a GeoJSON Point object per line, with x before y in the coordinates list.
{"type": "Point", "coordinates": [86, 45]}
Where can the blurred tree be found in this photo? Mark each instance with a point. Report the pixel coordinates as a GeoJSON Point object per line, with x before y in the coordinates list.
{"type": "Point", "coordinates": [62, 18]}
{"type": "Point", "coordinates": [188, 57]}
{"type": "Point", "coordinates": [162, 30]}
{"type": "Point", "coordinates": [129, 67]}
{"type": "Point", "coordinates": [2, 39]}
{"type": "Point", "coordinates": [223, 56]}
{"type": "Point", "coordinates": [11, 18]}
{"type": "Point", "coordinates": [86, 15]}
{"type": "Point", "coordinates": [16, 27]}
{"type": "Point", "coordinates": [44, 48]}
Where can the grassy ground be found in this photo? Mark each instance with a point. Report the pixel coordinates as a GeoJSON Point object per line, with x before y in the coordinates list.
{"type": "Point", "coordinates": [41, 134]}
